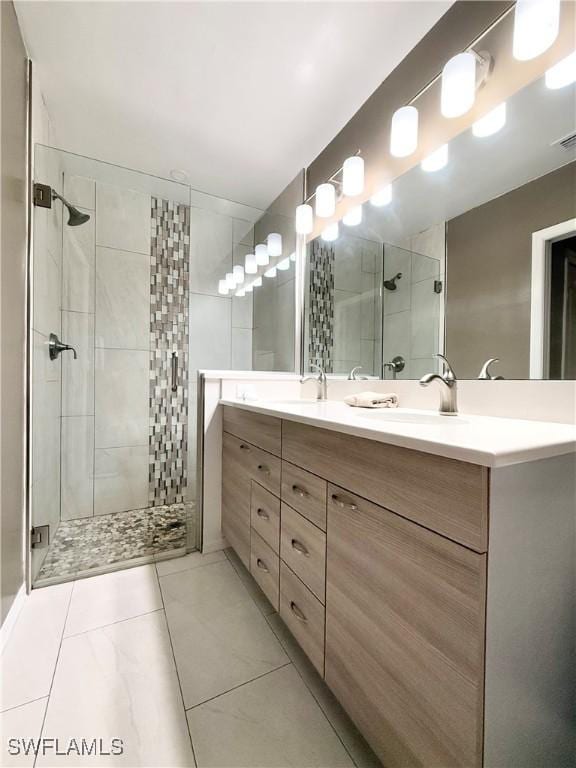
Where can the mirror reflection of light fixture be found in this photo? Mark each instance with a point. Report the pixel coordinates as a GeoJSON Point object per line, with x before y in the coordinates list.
{"type": "Point", "coordinates": [284, 264]}
{"type": "Point", "coordinates": [382, 197]}
{"type": "Point", "coordinates": [238, 272]}
{"type": "Point", "coordinates": [223, 287]}
{"type": "Point", "coordinates": [404, 132]}
{"type": "Point", "coordinates": [230, 281]}
{"type": "Point", "coordinates": [436, 161]}
{"type": "Point", "coordinates": [262, 257]}
{"type": "Point", "coordinates": [270, 272]}
{"type": "Point", "coordinates": [240, 293]}
{"type": "Point", "coordinates": [293, 256]}
{"type": "Point", "coordinates": [274, 244]}
{"type": "Point", "coordinates": [536, 25]}
{"type": "Point", "coordinates": [249, 288]}
{"type": "Point", "coordinates": [491, 123]}
{"type": "Point", "coordinates": [250, 266]}
{"type": "Point", "coordinates": [304, 219]}
{"type": "Point", "coordinates": [458, 85]}
{"type": "Point", "coordinates": [325, 200]}
{"type": "Point", "coordinates": [330, 233]}
{"type": "Point", "coordinates": [258, 282]}
{"type": "Point", "coordinates": [562, 74]}
{"type": "Point", "coordinates": [353, 217]}
{"type": "Point", "coordinates": [353, 176]}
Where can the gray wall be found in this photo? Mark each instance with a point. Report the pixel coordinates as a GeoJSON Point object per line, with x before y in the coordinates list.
{"type": "Point", "coordinates": [489, 262]}
{"type": "Point", "coordinates": [13, 312]}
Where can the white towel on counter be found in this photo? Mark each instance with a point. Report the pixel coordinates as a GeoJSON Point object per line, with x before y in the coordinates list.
{"type": "Point", "coordinates": [372, 400]}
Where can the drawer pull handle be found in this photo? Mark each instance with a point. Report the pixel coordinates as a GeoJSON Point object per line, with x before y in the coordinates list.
{"type": "Point", "coordinates": [297, 612]}
{"type": "Point", "coordinates": [299, 491]}
{"type": "Point", "coordinates": [264, 468]}
{"type": "Point", "coordinates": [344, 504]}
{"type": "Point", "coordinates": [262, 513]}
{"type": "Point", "coordinates": [244, 447]}
{"type": "Point", "coordinates": [299, 547]}
{"type": "Point", "coordinates": [262, 565]}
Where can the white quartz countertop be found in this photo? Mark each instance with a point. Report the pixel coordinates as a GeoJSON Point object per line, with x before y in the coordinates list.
{"type": "Point", "coordinates": [489, 441]}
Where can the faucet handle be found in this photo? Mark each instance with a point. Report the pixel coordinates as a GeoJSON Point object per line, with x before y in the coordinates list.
{"type": "Point", "coordinates": [448, 372]}
{"type": "Point", "coordinates": [485, 373]}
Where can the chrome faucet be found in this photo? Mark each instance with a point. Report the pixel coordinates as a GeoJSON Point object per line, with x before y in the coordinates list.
{"type": "Point", "coordinates": [448, 387]}
{"type": "Point", "coordinates": [485, 373]}
{"type": "Point", "coordinates": [321, 381]}
{"type": "Point", "coordinates": [354, 374]}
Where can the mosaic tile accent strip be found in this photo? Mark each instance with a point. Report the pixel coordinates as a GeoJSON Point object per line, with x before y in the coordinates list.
{"type": "Point", "coordinates": [321, 305]}
{"type": "Point", "coordinates": [94, 542]}
{"type": "Point", "coordinates": [169, 287]}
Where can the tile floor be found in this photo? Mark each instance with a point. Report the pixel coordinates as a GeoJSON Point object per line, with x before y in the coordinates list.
{"type": "Point", "coordinates": [97, 542]}
{"type": "Point", "coordinates": [184, 660]}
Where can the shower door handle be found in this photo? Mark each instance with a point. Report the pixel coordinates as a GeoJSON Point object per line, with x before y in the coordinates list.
{"type": "Point", "coordinates": [174, 371]}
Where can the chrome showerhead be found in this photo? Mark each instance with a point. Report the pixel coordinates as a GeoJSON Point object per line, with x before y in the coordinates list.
{"type": "Point", "coordinates": [75, 217]}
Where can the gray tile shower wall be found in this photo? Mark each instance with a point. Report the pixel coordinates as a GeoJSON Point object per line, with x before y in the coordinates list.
{"type": "Point", "coordinates": [169, 290]}
{"type": "Point", "coordinates": [321, 305]}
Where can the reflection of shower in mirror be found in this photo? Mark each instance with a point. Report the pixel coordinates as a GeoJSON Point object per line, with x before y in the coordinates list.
{"type": "Point", "coordinates": [390, 285]}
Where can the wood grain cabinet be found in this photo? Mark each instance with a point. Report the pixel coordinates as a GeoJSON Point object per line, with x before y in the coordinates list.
{"type": "Point", "coordinates": [447, 640]}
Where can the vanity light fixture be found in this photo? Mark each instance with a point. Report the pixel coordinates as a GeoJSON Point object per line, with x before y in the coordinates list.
{"type": "Point", "coordinates": [325, 200]}
{"type": "Point", "coordinates": [404, 131]}
{"type": "Point", "coordinates": [382, 197]}
{"type": "Point", "coordinates": [490, 123]}
{"type": "Point", "coordinates": [536, 25]}
{"type": "Point", "coordinates": [262, 256]}
{"type": "Point", "coordinates": [293, 256]}
{"type": "Point", "coordinates": [284, 264]}
{"type": "Point", "coordinates": [304, 219]}
{"type": "Point", "coordinates": [249, 288]}
{"type": "Point", "coordinates": [274, 244]}
{"type": "Point", "coordinates": [436, 161]}
{"type": "Point", "coordinates": [258, 282]}
{"type": "Point", "coordinates": [250, 266]}
{"type": "Point", "coordinates": [458, 85]}
{"type": "Point", "coordinates": [353, 217]}
{"type": "Point", "coordinates": [238, 272]}
{"type": "Point", "coordinates": [240, 293]}
{"type": "Point", "coordinates": [330, 233]}
{"type": "Point", "coordinates": [270, 272]}
{"type": "Point", "coordinates": [353, 176]}
{"type": "Point", "coordinates": [230, 281]}
{"type": "Point", "coordinates": [562, 74]}
{"type": "Point", "coordinates": [223, 287]}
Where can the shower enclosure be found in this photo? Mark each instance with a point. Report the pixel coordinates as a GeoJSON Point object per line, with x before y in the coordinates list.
{"type": "Point", "coordinates": [118, 319]}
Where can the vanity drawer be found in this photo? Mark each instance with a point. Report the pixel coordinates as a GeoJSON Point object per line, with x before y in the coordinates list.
{"type": "Point", "coordinates": [265, 516]}
{"type": "Point", "coordinates": [304, 616]}
{"type": "Point", "coordinates": [262, 431]}
{"type": "Point", "coordinates": [444, 495]}
{"type": "Point", "coordinates": [304, 492]}
{"type": "Point", "coordinates": [265, 567]}
{"type": "Point", "coordinates": [257, 464]}
{"type": "Point", "coordinates": [303, 548]}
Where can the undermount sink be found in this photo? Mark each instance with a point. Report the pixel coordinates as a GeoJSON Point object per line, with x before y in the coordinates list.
{"type": "Point", "coordinates": [413, 418]}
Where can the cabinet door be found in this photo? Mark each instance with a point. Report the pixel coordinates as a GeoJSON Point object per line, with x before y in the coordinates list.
{"type": "Point", "coordinates": [405, 635]}
{"type": "Point", "coordinates": [236, 485]}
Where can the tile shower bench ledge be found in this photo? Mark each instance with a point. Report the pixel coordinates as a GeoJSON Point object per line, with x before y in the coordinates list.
{"type": "Point", "coordinates": [484, 440]}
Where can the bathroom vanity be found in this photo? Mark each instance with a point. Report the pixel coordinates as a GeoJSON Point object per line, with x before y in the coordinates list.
{"type": "Point", "coordinates": [425, 565]}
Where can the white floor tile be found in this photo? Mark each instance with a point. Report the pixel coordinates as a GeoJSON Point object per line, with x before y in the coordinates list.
{"type": "Point", "coordinates": [28, 661]}
{"type": "Point", "coordinates": [112, 597]}
{"type": "Point", "coordinates": [186, 563]}
{"type": "Point", "coordinates": [120, 682]}
{"type": "Point", "coordinates": [272, 721]}
{"type": "Point", "coordinates": [220, 638]}
{"type": "Point", "coordinates": [20, 724]}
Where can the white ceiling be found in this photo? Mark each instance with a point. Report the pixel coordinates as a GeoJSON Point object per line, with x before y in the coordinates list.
{"type": "Point", "coordinates": [239, 95]}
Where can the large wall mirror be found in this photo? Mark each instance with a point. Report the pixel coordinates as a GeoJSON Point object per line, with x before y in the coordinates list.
{"type": "Point", "coordinates": [473, 256]}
